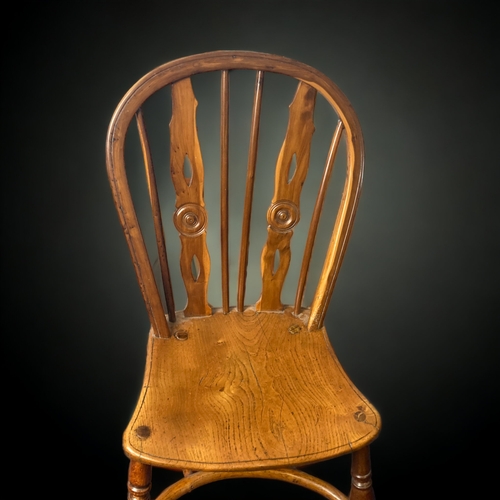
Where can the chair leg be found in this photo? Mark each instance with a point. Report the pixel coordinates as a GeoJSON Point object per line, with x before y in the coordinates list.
{"type": "Point", "coordinates": [361, 474]}
{"type": "Point", "coordinates": [139, 481]}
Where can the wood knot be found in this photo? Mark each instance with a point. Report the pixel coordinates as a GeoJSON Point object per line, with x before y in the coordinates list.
{"type": "Point", "coordinates": [294, 329]}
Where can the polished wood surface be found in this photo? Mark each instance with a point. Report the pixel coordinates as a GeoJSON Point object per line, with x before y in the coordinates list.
{"type": "Point", "coordinates": [219, 61]}
{"type": "Point", "coordinates": [224, 188]}
{"type": "Point", "coordinates": [361, 474]}
{"type": "Point", "coordinates": [297, 477]}
{"type": "Point", "coordinates": [190, 218]}
{"type": "Point", "coordinates": [157, 216]}
{"type": "Point", "coordinates": [318, 208]}
{"type": "Point", "coordinates": [284, 212]}
{"type": "Point", "coordinates": [241, 391]}
{"type": "Point", "coordinates": [139, 481]}
{"type": "Point", "coordinates": [249, 188]}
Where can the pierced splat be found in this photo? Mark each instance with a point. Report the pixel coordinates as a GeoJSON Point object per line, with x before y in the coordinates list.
{"type": "Point", "coordinates": [190, 218]}
{"type": "Point", "coordinates": [284, 212]}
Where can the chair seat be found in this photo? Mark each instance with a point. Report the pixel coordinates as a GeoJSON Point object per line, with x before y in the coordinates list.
{"type": "Point", "coordinates": [239, 394]}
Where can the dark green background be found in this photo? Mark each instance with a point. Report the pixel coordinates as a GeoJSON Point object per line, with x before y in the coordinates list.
{"type": "Point", "coordinates": [416, 305]}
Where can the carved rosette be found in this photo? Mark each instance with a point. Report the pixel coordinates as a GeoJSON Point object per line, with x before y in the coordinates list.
{"type": "Point", "coordinates": [190, 219]}
{"type": "Point", "coordinates": [283, 215]}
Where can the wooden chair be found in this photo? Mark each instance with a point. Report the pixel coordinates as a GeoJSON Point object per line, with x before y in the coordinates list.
{"type": "Point", "coordinates": [241, 391]}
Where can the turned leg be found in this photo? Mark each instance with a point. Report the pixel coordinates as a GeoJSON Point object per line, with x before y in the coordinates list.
{"type": "Point", "coordinates": [139, 481]}
{"type": "Point", "coordinates": [361, 474]}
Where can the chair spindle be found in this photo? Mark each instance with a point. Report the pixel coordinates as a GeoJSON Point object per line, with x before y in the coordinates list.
{"type": "Point", "coordinates": [247, 209]}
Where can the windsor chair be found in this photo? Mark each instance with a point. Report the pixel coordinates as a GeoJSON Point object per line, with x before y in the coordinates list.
{"type": "Point", "coordinates": [240, 390]}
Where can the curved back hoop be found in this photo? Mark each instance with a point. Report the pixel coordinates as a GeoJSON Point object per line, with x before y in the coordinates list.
{"type": "Point", "coordinates": [224, 61]}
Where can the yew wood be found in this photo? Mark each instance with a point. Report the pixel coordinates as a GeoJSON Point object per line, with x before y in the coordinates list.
{"type": "Point", "coordinates": [139, 481]}
{"type": "Point", "coordinates": [190, 218]}
{"type": "Point", "coordinates": [232, 60]}
{"type": "Point", "coordinates": [157, 217]}
{"type": "Point", "coordinates": [293, 476]}
{"type": "Point", "coordinates": [224, 188]}
{"type": "Point", "coordinates": [318, 207]}
{"type": "Point", "coordinates": [284, 212]}
{"type": "Point", "coordinates": [241, 392]}
{"type": "Point", "coordinates": [247, 209]}
{"type": "Point", "coordinates": [361, 473]}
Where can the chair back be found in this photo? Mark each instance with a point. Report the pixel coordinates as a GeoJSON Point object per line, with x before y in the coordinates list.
{"type": "Point", "coordinates": [191, 173]}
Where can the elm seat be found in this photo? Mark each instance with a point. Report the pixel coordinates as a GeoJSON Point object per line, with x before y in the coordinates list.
{"type": "Point", "coordinates": [239, 392]}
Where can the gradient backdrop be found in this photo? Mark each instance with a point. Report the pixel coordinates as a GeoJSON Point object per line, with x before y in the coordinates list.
{"type": "Point", "coordinates": [415, 312]}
